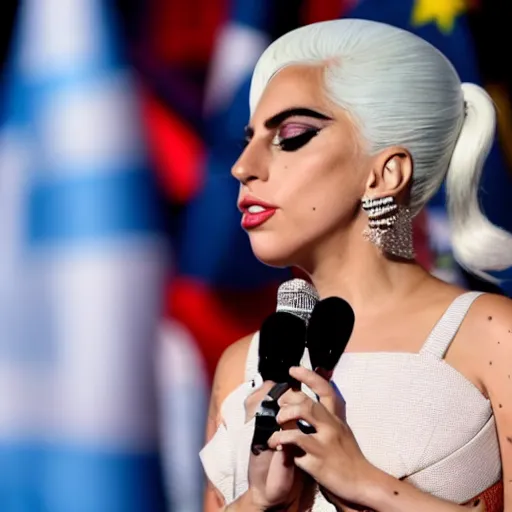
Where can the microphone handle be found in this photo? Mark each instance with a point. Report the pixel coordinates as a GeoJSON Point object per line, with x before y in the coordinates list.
{"type": "Point", "coordinates": [266, 424]}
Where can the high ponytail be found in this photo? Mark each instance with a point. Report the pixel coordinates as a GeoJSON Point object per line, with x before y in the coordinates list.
{"type": "Point", "coordinates": [478, 245]}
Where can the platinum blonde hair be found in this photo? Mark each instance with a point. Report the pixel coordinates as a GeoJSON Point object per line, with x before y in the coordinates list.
{"type": "Point", "coordinates": [400, 90]}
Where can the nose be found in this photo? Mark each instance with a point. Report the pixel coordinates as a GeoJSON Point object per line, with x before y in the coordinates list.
{"type": "Point", "coordinates": [251, 165]}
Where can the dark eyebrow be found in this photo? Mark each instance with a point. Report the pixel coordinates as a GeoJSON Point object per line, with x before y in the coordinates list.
{"type": "Point", "coordinates": [276, 120]}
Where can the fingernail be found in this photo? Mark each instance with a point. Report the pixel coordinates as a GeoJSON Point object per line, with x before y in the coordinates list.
{"type": "Point", "coordinates": [279, 447]}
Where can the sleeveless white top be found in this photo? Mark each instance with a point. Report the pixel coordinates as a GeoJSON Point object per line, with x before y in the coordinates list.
{"type": "Point", "coordinates": [413, 415]}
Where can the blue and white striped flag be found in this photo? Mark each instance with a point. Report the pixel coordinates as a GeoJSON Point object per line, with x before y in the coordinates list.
{"type": "Point", "coordinates": [81, 269]}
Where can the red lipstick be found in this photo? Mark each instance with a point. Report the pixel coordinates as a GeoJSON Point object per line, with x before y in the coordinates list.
{"type": "Point", "coordinates": [255, 211]}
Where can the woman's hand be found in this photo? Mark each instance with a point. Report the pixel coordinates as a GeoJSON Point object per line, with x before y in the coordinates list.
{"type": "Point", "coordinates": [273, 478]}
{"type": "Point", "coordinates": [331, 455]}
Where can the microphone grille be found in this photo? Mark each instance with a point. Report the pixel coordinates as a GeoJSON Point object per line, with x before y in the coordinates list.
{"type": "Point", "coordinates": [297, 297]}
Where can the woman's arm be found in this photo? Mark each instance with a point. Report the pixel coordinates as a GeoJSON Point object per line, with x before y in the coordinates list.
{"type": "Point", "coordinates": [394, 495]}
{"type": "Point", "coordinates": [388, 494]}
{"type": "Point", "coordinates": [243, 504]}
{"type": "Point", "coordinates": [228, 375]}
{"type": "Point", "coordinates": [495, 372]}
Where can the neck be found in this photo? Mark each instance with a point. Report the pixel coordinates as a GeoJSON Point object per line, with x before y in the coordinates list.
{"type": "Point", "coordinates": [364, 277]}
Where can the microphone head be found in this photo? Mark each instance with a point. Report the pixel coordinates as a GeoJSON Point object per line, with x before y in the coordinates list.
{"type": "Point", "coordinates": [282, 343]}
{"type": "Point", "coordinates": [297, 297]}
{"type": "Point", "coordinates": [329, 331]}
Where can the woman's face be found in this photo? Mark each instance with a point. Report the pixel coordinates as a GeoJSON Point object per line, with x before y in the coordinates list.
{"type": "Point", "coordinates": [303, 172]}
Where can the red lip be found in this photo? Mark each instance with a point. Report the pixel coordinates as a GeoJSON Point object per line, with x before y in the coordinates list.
{"type": "Point", "coordinates": [249, 200]}
{"type": "Point", "coordinates": [252, 220]}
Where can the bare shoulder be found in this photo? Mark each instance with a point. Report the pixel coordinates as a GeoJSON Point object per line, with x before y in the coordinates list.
{"type": "Point", "coordinates": [231, 366]}
{"type": "Point", "coordinates": [489, 328]}
{"type": "Point", "coordinates": [228, 375]}
{"type": "Point", "coordinates": [490, 322]}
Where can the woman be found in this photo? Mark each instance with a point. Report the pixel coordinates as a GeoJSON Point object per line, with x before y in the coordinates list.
{"type": "Point", "coordinates": [354, 126]}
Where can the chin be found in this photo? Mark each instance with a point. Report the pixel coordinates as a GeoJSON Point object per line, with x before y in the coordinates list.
{"type": "Point", "coordinates": [273, 252]}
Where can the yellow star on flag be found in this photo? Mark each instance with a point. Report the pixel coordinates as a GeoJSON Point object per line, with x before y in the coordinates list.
{"type": "Point", "coordinates": [442, 12]}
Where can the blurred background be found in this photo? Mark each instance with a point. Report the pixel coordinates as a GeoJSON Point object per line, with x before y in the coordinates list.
{"type": "Point", "coordinates": [124, 272]}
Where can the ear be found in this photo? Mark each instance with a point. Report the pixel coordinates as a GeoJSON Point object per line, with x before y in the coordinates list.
{"type": "Point", "coordinates": [391, 174]}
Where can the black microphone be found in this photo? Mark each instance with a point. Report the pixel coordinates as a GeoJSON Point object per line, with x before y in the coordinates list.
{"type": "Point", "coordinates": [328, 333]}
{"type": "Point", "coordinates": [281, 346]}
{"type": "Point", "coordinates": [329, 330]}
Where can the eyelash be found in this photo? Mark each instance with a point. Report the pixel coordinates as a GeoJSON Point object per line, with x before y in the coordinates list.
{"type": "Point", "coordinates": [296, 142]}
{"type": "Point", "coordinates": [289, 143]}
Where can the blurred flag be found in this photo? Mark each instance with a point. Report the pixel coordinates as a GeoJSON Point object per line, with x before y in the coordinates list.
{"type": "Point", "coordinates": [184, 32]}
{"type": "Point", "coordinates": [176, 150]}
{"type": "Point", "coordinates": [444, 24]}
{"type": "Point", "coordinates": [81, 267]}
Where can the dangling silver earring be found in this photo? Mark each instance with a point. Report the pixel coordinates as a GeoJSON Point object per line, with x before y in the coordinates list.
{"type": "Point", "coordinates": [389, 226]}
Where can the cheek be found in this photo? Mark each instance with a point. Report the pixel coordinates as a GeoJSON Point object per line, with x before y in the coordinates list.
{"type": "Point", "coordinates": [323, 211]}
{"type": "Point", "coordinates": [317, 189]}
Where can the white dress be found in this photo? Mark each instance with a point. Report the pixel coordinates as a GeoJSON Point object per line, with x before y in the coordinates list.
{"type": "Point", "coordinates": [413, 415]}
